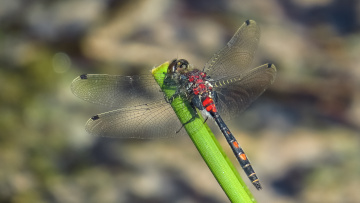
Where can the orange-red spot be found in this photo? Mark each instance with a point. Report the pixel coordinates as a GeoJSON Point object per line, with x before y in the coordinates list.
{"type": "Point", "coordinates": [214, 109]}
{"type": "Point", "coordinates": [209, 104]}
{"type": "Point", "coordinates": [202, 87]}
{"type": "Point", "coordinates": [207, 101]}
{"type": "Point", "coordinates": [242, 156]}
{"type": "Point", "coordinates": [236, 144]}
{"type": "Point", "coordinates": [209, 108]}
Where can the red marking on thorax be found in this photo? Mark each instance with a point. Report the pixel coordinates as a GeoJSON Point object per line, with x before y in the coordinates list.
{"type": "Point", "coordinates": [191, 78]}
{"type": "Point", "coordinates": [202, 88]}
{"type": "Point", "coordinates": [198, 79]}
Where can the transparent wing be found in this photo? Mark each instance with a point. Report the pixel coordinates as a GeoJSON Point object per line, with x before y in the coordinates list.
{"type": "Point", "coordinates": [154, 120]}
{"type": "Point", "coordinates": [236, 93]}
{"type": "Point", "coordinates": [116, 90]}
{"type": "Point", "coordinates": [236, 57]}
{"type": "Point", "coordinates": [144, 112]}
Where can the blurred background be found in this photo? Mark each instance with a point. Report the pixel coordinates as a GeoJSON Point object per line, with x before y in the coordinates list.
{"type": "Point", "coordinates": [302, 135]}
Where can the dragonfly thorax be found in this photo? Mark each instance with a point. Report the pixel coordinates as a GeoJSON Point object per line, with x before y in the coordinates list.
{"type": "Point", "coordinates": [198, 83]}
{"type": "Point", "coordinates": [194, 85]}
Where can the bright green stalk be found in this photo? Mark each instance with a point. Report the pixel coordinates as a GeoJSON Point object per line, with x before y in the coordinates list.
{"type": "Point", "coordinates": [209, 148]}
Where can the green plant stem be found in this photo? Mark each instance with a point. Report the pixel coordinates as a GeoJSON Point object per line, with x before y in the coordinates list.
{"type": "Point", "coordinates": [209, 148]}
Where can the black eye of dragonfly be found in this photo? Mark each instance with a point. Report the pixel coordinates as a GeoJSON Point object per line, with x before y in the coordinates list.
{"type": "Point", "coordinates": [178, 65]}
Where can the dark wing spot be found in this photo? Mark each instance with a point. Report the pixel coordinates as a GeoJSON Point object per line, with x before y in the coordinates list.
{"type": "Point", "coordinates": [269, 65]}
{"type": "Point", "coordinates": [83, 76]}
{"type": "Point", "coordinates": [95, 117]}
{"type": "Point", "coordinates": [247, 22]}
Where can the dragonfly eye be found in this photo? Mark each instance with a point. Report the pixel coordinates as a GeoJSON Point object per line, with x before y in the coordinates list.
{"type": "Point", "coordinates": [172, 66]}
{"type": "Point", "coordinates": [182, 65]}
{"type": "Point", "coordinates": [178, 65]}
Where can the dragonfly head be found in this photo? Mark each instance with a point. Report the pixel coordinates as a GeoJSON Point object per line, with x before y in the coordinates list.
{"type": "Point", "coordinates": [176, 65]}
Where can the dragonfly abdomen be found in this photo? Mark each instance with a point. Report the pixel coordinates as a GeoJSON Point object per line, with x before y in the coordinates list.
{"type": "Point", "coordinates": [238, 151]}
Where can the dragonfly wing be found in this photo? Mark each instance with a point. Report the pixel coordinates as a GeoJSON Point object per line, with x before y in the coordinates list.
{"type": "Point", "coordinates": [155, 120]}
{"type": "Point", "coordinates": [236, 57]}
{"type": "Point", "coordinates": [236, 93]}
{"type": "Point", "coordinates": [116, 90]}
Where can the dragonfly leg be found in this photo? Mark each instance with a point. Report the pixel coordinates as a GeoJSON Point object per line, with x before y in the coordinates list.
{"type": "Point", "coordinates": [189, 121]}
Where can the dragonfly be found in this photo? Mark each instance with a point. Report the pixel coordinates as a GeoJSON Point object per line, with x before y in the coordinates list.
{"type": "Point", "coordinates": [225, 87]}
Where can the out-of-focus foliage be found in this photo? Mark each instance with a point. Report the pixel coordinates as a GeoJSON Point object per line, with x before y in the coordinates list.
{"type": "Point", "coordinates": [302, 135]}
